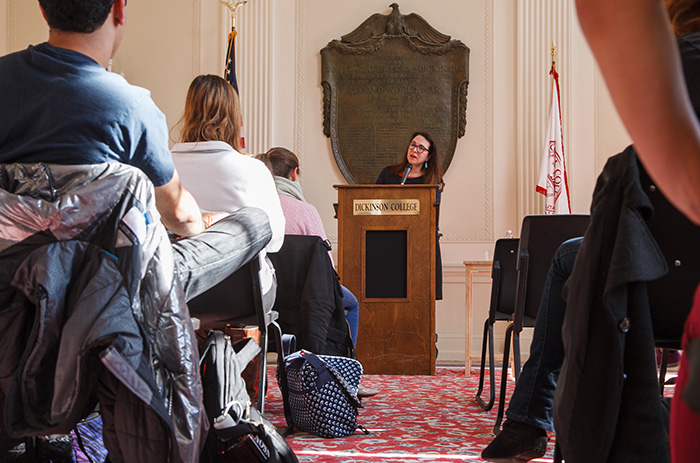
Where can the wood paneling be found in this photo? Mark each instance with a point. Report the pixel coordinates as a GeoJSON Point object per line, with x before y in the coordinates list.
{"type": "Point", "coordinates": [396, 336]}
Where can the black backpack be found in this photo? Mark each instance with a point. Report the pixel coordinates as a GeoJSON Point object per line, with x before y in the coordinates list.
{"type": "Point", "coordinates": [238, 433]}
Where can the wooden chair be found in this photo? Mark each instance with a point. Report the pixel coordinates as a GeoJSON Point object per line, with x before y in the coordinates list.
{"type": "Point", "coordinates": [503, 280]}
{"type": "Point", "coordinates": [238, 301]}
{"type": "Point", "coordinates": [540, 236]}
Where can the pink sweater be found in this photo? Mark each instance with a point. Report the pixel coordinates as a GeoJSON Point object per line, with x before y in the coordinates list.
{"type": "Point", "coordinates": [301, 218]}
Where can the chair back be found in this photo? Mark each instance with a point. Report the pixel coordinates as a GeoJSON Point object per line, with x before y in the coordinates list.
{"type": "Point", "coordinates": [235, 300]}
{"type": "Point", "coordinates": [540, 236]}
{"type": "Point", "coordinates": [309, 298]}
{"type": "Point", "coordinates": [671, 296]}
{"type": "Point", "coordinates": [504, 277]}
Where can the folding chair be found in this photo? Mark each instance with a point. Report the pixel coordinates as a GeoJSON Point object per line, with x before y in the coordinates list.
{"type": "Point", "coordinates": [309, 298]}
{"type": "Point", "coordinates": [540, 236]}
{"type": "Point", "coordinates": [503, 279]}
{"type": "Point", "coordinates": [671, 296]}
{"type": "Point", "coordinates": [237, 301]}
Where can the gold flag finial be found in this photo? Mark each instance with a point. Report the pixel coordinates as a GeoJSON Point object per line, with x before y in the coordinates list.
{"type": "Point", "coordinates": [554, 56]}
{"type": "Point", "coordinates": [233, 6]}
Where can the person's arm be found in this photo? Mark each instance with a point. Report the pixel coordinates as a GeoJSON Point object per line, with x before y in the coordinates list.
{"type": "Point", "coordinates": [178, 209]}
{"type": "Point", "coordinates": [638, 56]}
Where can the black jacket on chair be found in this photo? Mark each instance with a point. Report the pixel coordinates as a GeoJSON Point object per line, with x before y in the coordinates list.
{"type": "Point", "coordinates": [309, 297]}
{"type": "Point", "coordinates": [607, 405]}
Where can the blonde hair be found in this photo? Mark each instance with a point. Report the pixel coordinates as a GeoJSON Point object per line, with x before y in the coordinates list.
{"type": "Point", "coordinates": [212, 112]}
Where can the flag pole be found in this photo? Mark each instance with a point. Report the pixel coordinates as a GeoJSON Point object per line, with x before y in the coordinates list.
{"type": "Point", "coordinates": [230, 65]}
{"type": "Point", "coordinates": [553, 181]}
{"type": "Point", "coordinates": [233, 7]}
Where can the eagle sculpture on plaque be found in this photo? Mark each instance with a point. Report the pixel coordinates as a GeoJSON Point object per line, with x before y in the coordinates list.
{"type": "Point", "coordinates": [392, 76]}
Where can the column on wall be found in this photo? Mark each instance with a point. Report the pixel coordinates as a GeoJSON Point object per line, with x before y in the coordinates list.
{"type": "Point", "coordinates": [540, 22]}
{"type": "Point", "coordinates": [254, 72]}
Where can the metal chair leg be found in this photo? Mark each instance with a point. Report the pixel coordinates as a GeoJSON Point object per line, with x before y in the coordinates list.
{"type": "Point", "coordinates": [488, 340]}
{"type": "Point", "coordinates": [662, 370]}
{"type": "Point", "coordinates": [557, 453]}
{"type": "Point", "coordinates": [262, 370]}
{"type": "Point", "coordinates": [504, 380]}
{"type": "Point", "coordinates": [517, 365]}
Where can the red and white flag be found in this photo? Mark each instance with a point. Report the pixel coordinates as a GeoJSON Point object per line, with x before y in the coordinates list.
{"type": "Point", "coordinates": [552, 182]}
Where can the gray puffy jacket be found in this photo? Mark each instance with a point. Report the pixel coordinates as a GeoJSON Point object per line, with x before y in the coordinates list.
{"type": "Point", "coordinates": [91, 311]}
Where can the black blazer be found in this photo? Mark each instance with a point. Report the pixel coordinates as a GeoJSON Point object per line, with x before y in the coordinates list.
{"type": "Point", "coordinates": [607, 404]}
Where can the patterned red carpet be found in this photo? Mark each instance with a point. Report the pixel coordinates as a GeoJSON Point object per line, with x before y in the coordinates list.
{"type": "Point", "coordinates": [413, 419]}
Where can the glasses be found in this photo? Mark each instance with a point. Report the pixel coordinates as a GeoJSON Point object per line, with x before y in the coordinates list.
{"type": "Point", "coordinates": [420, 149]}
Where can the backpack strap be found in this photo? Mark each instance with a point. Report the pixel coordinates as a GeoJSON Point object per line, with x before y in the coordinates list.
{"type": "Point", "coordinates": [327, 373]}
{"type": "Point", "coordinates": [324, 375]}
{"type": "Point", "coordinates": [246, 350]}
{"type": "Point", "coordinates": [289, 344]}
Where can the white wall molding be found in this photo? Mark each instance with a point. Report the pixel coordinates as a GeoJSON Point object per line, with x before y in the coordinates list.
{"type": "Point", "coordinates": [454, 274]}
{"type": "Point", "coordinates": [486, 233]}
{"type": "Point", "coordinates": [196, 37]}
{"type": "Point", "coordinates": [254, 72]}
{"type": "Point", "coordinates": [300, 62]}
{"type": "Point", "coordinates": [11, 24]}
{"type": "Point", "coordinates": [600, 94]}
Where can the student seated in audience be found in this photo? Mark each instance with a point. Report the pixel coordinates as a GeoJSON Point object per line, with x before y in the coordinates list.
{"type": "Point", "coordinates": [529, 413]}
{"type": "Point", "coordinates": [633, 39]}
{"type": "Point", "coordinates": [302, 218]}
{"type": "Point", "coordinates": [219, 177]}
{"type": "Point", "coordinates": [61, 105]}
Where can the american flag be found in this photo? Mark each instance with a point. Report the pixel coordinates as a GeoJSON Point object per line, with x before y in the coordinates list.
{"type": "Point", "coordinates": [231, 60]}
{"type": "Point", "coordinates": [230, 72]}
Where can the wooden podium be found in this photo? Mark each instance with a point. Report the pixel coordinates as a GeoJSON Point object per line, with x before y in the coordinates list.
{"type": "Point", "coordinates": [386, 257]}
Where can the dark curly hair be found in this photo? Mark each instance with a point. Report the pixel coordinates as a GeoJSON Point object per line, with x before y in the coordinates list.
{"type": "Point", "coordinates": [76, 15]}
{"type": "Point", "coordinates": [434, 173]}
{"type": "Point", "coordinates": [684, 15]}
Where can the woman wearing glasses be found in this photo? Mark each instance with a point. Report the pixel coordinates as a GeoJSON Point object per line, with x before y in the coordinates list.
{"type": "Point", "coordinates": [422, 156]}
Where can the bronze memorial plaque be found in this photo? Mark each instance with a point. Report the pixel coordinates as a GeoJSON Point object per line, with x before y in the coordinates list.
{"type": "Point", "coordinates": [392, 76]}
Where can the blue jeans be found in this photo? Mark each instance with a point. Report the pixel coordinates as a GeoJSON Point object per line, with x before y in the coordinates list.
{"type": "Point", "coordinates": [533, 397]}
{"type": "Point", "coordinates": [204, 260]}
{"type": "Point", "coordinates": [352, 312]}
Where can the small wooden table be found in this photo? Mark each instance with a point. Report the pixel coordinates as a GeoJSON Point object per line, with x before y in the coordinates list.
{"type": "Point", "coordinates": [471, 268]}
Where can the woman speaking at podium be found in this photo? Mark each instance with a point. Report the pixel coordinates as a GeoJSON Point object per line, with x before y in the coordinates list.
{"type": "Point", "coordinates": [420, 166]}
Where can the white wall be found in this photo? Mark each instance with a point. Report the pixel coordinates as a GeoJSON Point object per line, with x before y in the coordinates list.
{"type": "Point", "coordinates": [168, 42]}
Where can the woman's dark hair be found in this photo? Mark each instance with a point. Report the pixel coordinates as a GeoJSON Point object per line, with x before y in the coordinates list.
{"type": "Point", "coordinates": [280, 161]}
{"type": "Point", "coordinates": [76, 15]}
{"type": "Point", "coordinates": [433, 174]}
{"type": "Point", "coordinates": [212, 112]}
{"type": "Point", "coordinates": [684, 15]}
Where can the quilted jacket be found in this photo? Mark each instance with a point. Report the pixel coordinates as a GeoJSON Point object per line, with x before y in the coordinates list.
{"type": "Point", "coordinates": [91, 311]}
